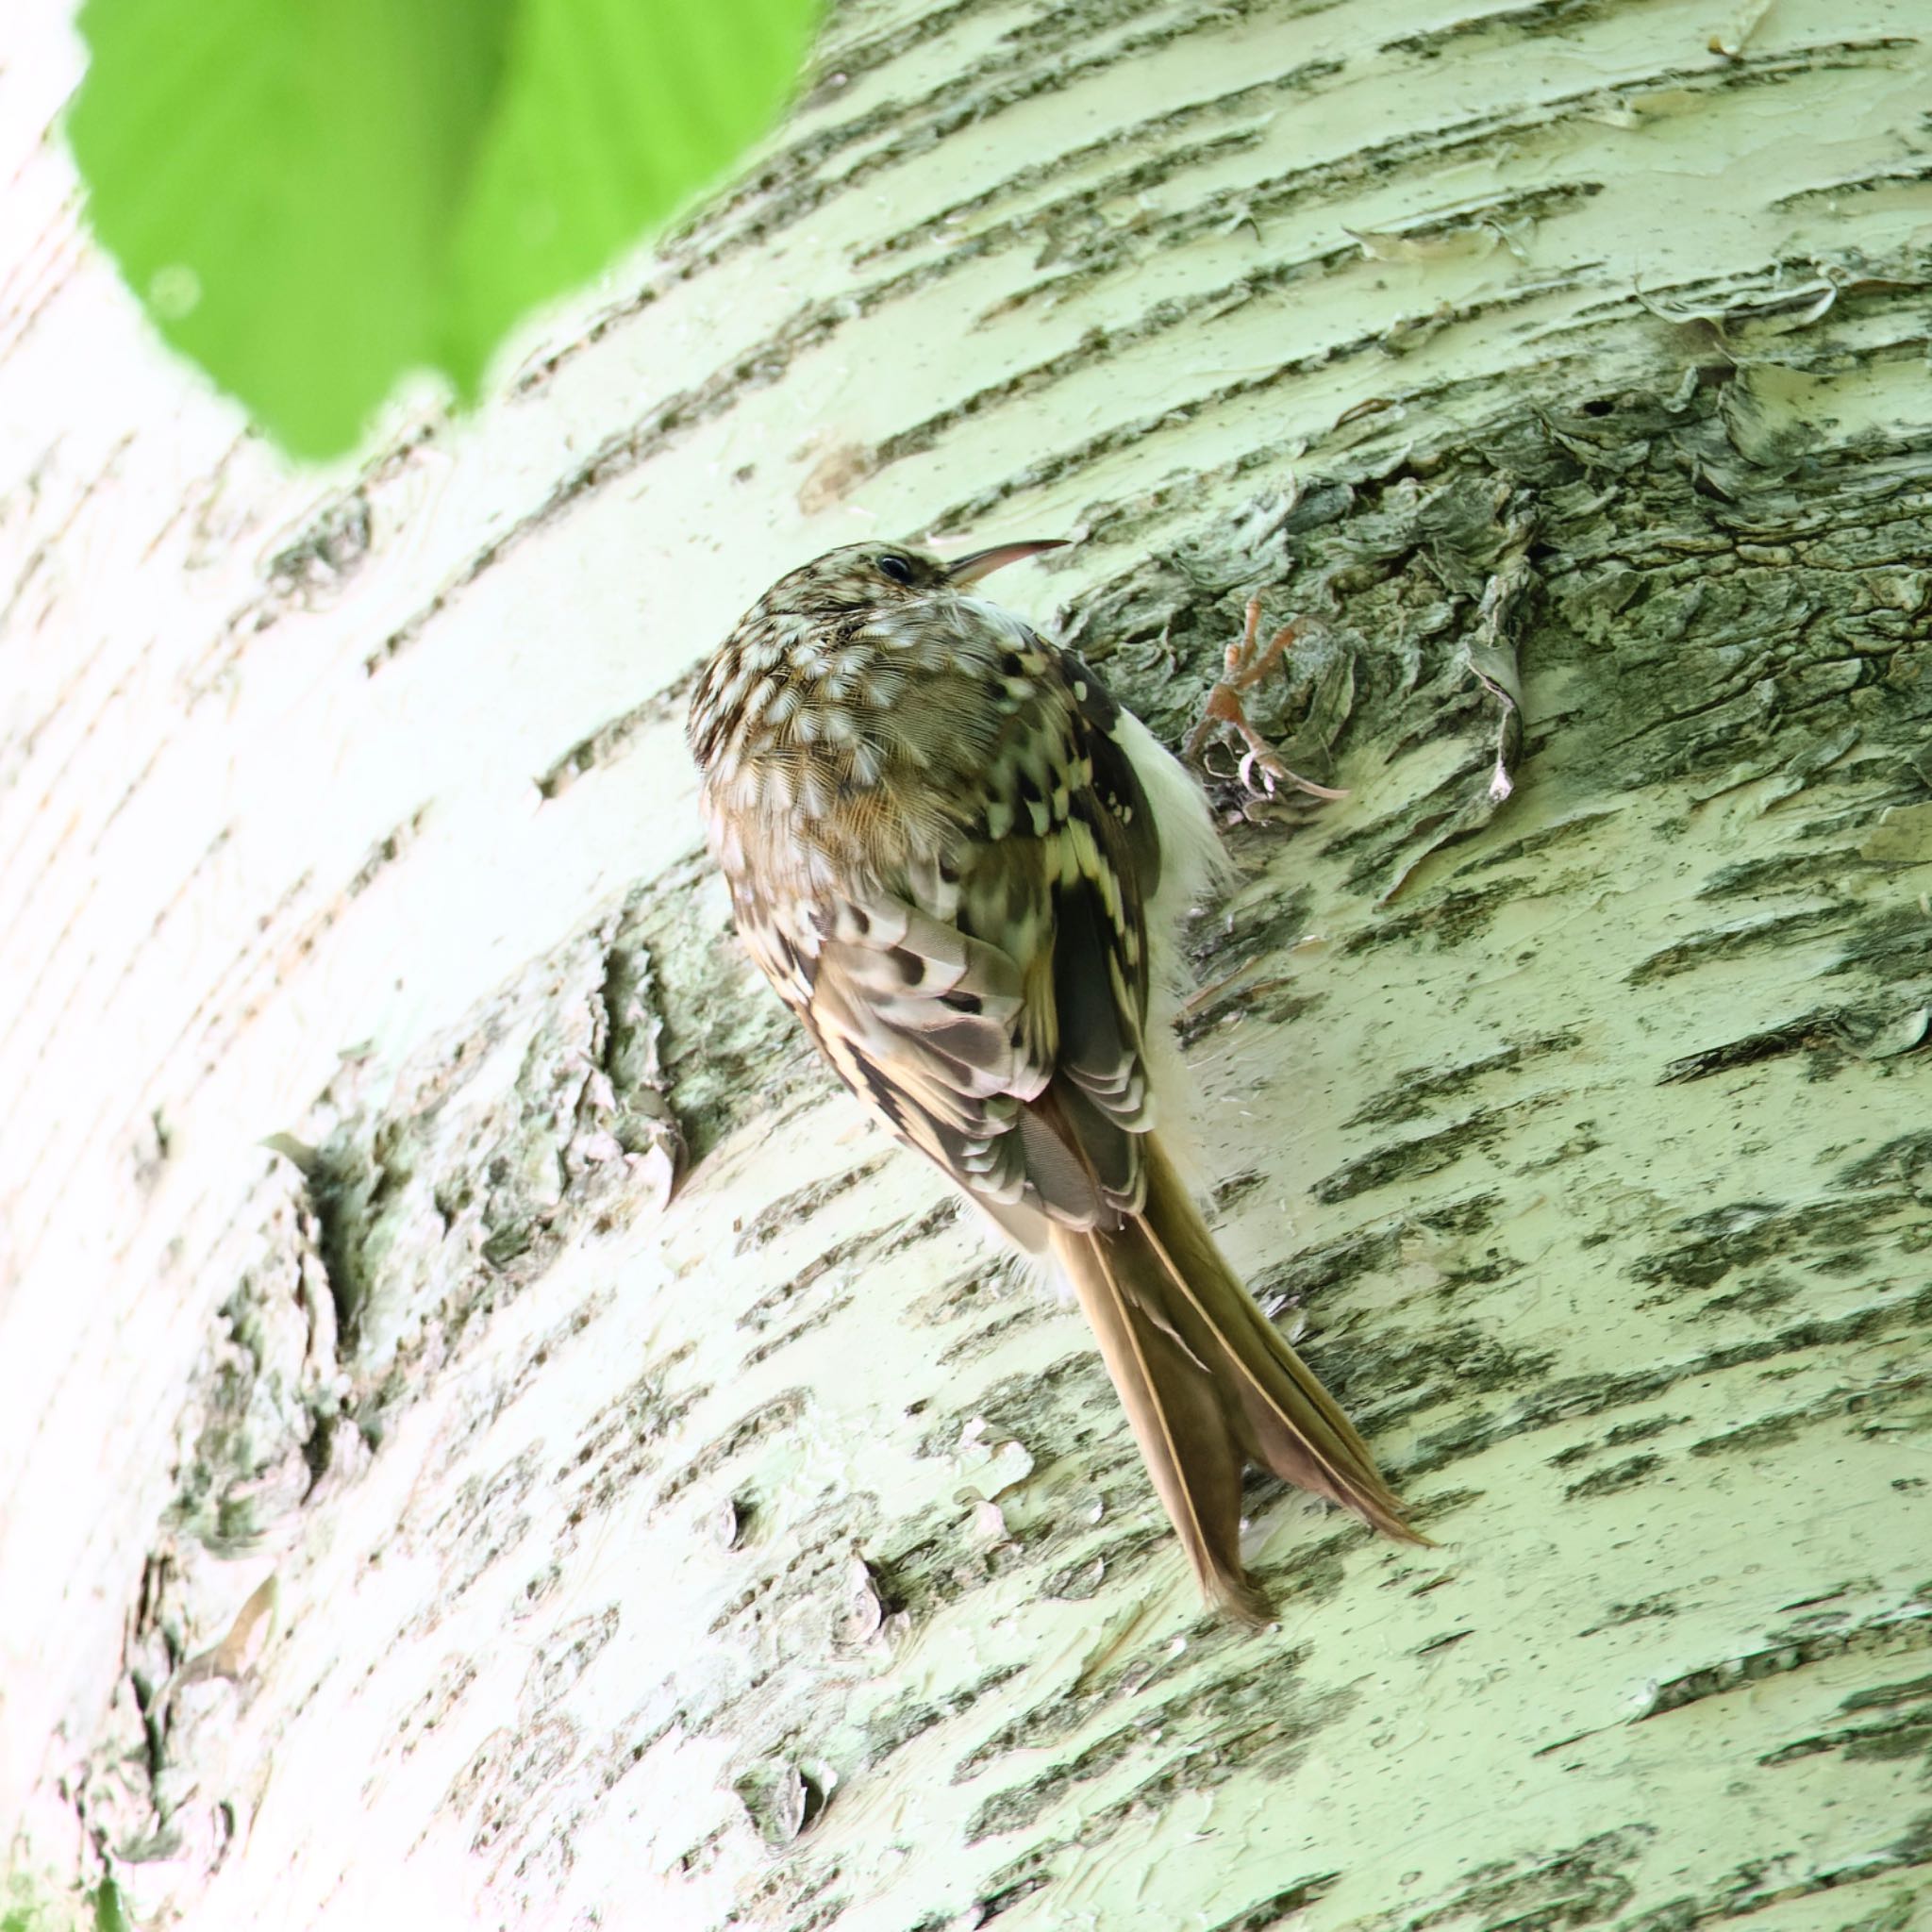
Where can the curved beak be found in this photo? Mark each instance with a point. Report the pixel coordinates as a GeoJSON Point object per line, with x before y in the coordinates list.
{"type": "Point", "coordinates": [979, 563]}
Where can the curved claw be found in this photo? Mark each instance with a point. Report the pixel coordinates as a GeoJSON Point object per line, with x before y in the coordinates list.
{"type": "Point", "coordinates": [1274, 773]}
{"type": "Point", "coordinates": [1224, 717]}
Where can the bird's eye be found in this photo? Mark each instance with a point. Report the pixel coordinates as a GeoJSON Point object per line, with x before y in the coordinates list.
{"type": "Point", "coordinates": [898, 568]}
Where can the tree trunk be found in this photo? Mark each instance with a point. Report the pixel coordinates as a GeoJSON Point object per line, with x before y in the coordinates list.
{"type": "Point", "coordinates": [441, 1511]}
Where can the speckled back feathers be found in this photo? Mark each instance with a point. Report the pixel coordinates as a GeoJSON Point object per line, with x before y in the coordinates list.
{"type": "Point", "coordinates": [941, 853]}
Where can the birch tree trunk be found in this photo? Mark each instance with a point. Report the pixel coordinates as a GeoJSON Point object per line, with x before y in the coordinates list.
{"type": "Point", "coordinates": [580, 1474]}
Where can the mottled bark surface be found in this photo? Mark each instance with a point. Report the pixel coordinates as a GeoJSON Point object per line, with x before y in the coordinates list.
{"type": "Point", "coordinates": [581, 1474]}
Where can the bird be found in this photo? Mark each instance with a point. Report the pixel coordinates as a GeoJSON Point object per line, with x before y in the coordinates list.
{"type": "Point", "coordinates": [963, 865]}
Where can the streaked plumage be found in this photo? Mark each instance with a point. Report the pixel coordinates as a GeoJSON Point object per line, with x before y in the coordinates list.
{"type": "Point", "coordinates": [961, 864]}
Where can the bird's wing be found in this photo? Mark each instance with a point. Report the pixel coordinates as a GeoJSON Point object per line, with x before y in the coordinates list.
{"type": "Point", "coordinates": [992, 1009]}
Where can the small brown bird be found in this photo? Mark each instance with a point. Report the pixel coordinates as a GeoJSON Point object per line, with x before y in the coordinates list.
{"type": "Point", "coordinates": [963, 865]}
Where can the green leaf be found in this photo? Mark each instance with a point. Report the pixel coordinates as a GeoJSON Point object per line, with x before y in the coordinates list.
{"type": "Point", "coordinates": [312, 196]}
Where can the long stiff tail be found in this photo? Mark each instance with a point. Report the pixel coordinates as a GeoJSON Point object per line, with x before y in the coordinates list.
{"type": "Point", "coordinates": [1208, 1384]}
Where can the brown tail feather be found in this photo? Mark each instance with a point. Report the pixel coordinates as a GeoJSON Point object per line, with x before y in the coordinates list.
{"type": "Point", "coordinates": [1209, 1383]}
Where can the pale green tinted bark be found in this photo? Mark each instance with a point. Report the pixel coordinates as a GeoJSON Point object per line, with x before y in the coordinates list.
{"type": "Point", "coordinates": [768, 1550]}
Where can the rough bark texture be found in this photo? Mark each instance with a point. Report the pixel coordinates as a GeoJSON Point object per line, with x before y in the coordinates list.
{"type": "Point", "coordinates": [441, 1514]}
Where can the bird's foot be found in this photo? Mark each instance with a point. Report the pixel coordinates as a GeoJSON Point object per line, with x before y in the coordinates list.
{"type": "Point", "coordinates": [1224, 718]}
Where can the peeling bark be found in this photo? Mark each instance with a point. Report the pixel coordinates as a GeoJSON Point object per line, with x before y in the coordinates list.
{"type": "Point", "coordinates": [577, 1467]}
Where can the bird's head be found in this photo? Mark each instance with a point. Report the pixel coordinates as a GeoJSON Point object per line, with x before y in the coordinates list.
{"type": "Point", "coordinates": [831, 646]}
{"type": "Point", "coordinates": [877, 579]}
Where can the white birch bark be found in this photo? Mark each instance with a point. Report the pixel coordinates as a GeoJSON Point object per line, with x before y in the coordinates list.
{"type": "Point", "coordinates": [443, 1519]}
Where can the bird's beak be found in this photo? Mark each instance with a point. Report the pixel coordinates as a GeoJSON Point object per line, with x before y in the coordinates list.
{"type": "Point", "coordinates": [979, 563]}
